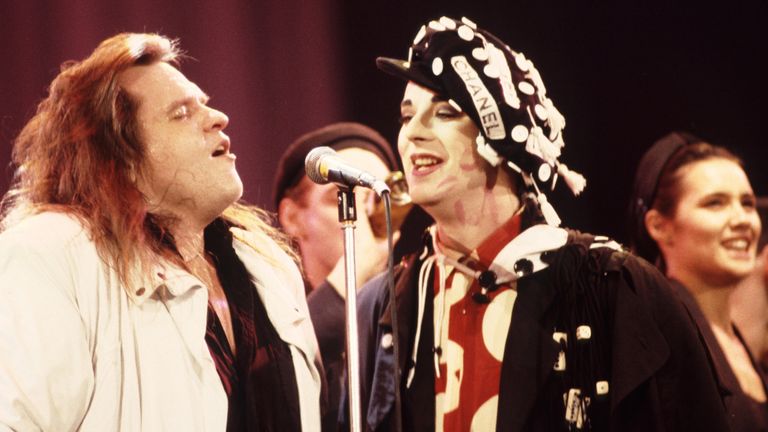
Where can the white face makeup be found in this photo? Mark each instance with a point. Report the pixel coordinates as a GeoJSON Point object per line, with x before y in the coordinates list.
{"type": "Point", "coordinates": [437, 146]}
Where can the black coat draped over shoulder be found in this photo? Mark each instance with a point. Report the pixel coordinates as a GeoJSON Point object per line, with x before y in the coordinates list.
{"type": "Point", "coordinates": [660, 379]}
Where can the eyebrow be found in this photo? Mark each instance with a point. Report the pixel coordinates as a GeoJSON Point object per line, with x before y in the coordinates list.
{"type": "Point", "coordinates": [721, 194]}
{"type": "Point", "coordinates": [435, 99]}
{"type": "Point", "coordinates": [187, 101]}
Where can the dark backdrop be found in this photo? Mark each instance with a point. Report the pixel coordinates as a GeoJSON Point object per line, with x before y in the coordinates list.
{"type": "Point", "coordinates": [622, 74]}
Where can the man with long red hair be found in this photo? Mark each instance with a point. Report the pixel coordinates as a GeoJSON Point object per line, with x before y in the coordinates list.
{"type": "Point", "coordinates": [136, 293]}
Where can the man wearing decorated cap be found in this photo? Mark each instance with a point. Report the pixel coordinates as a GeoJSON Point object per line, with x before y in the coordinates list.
{"type": "Point", "coordinates": [508, 322]}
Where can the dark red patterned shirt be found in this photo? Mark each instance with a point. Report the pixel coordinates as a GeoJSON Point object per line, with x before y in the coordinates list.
{"type": "Point", "coordinates": [260, 380]}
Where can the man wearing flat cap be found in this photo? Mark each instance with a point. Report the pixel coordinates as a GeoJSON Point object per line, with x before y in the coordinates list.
{"type": "Point", "coordinates": [309, 214]}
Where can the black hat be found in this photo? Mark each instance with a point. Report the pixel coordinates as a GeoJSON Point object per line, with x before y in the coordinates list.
{"type": "Point", "coordinates": [290, 168]}
{"type": "Point", "coordinates": [498, 88]}
{"type": "Point", "coordinates": [644, 189]}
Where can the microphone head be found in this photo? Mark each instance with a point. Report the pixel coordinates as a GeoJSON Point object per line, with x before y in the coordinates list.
{"type": "Point", "coordinates": [312, 163]}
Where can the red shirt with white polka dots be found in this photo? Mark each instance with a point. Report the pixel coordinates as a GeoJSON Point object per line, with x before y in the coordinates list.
{"type": "Point", "coordinates": [470, 339]}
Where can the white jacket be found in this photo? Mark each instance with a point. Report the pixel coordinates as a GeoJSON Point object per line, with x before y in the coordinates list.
{"type": "Point", "coordinates": [77, 352]}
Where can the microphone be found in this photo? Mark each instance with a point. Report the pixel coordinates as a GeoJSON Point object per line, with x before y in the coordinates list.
{"type": "Point", "coordinates": [323, 165]}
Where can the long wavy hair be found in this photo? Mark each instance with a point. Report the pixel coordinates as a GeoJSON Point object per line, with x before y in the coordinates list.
{"type": "Point", "coordinates": [81, 152]}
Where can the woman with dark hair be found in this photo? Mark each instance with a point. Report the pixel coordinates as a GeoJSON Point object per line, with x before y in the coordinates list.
{"type": "Point", "coordinates": [693, 213]}
{"type": "Point", "coordinates": [506, 321]}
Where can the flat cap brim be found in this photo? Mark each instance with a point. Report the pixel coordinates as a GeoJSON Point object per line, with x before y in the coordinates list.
{"type": "Point", "coordinates": [408, 72]}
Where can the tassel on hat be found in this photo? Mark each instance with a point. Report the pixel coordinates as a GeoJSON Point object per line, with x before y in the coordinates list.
{"type": "Point", "coordinates": [575, 181]}
{"type": "Point", "coordinates": [550, 215]}
{"type": "Point", "coordinates": [539, 200]}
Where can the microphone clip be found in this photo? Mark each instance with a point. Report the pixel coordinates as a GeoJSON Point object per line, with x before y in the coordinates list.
{"type": "Point", "coordinates": [345, 198]}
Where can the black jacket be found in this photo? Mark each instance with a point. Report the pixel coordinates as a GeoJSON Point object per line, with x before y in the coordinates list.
{"type": "Point", "coordinates": [326, 308]}
{"type": "Point", "coordinates": [744, 413]}
{"type": "Point", "coordinates": [660, 378]}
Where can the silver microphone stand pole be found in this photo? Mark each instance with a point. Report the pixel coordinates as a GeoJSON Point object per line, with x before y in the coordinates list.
{"type": "Point", "coordinates": [347, 217]}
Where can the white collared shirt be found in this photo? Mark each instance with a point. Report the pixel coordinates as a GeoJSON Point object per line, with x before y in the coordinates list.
{"type": "Point", "coordinates": [78, 352]}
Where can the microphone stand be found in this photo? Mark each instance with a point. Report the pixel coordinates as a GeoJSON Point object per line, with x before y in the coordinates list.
{"type": "Point", "coordinates": [347, 217]}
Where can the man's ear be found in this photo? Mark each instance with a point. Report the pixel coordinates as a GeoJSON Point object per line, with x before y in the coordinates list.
{"type": "Point", "coordinates": [659, 227]}
{"type": "Point", "coordinates": [288, 215]}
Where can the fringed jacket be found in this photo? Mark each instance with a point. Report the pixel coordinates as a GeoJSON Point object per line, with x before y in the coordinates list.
{"type": "Point", "coordinates": [642, 339]}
